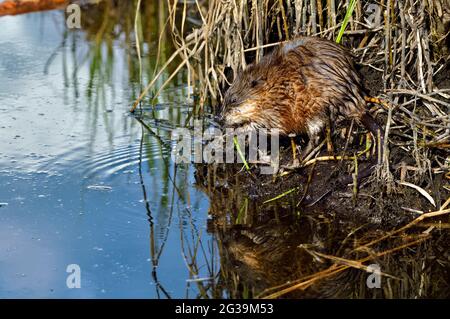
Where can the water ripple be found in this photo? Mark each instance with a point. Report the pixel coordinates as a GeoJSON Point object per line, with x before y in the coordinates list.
{"type": "Point", "coordinates": [106, 163]}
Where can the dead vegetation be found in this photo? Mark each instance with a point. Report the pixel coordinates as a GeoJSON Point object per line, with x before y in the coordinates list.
{"type": "Point", "coordinates": [398, 43]}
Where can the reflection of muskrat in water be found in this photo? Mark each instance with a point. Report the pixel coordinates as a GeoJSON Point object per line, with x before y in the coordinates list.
{"type": "Point", "coordinates": [296, 88]}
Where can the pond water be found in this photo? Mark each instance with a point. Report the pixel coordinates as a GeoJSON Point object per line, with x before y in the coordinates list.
{"type": "Point", "coordinates": [71, 163]}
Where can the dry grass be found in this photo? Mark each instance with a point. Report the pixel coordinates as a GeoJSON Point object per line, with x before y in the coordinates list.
{"type": "Point", "coordinates": [394, 39]}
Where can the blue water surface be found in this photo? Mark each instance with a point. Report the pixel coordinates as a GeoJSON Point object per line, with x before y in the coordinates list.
{"type": "Point", "coordinates": [70, 183]}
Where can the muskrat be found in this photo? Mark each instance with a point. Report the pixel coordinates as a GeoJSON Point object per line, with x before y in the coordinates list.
{"type": "Point", "coordinates": [296, 88]}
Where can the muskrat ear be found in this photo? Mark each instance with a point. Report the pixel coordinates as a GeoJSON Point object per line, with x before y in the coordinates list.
{"type": "Point", "coordinates": [258, 81]}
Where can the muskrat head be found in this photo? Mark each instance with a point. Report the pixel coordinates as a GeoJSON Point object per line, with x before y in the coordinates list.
{"type": "Point", "coordinates": [243, 102]}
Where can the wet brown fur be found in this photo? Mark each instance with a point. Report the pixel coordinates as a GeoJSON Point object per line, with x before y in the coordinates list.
{"type": "Point", "coordinates": [296, 88]}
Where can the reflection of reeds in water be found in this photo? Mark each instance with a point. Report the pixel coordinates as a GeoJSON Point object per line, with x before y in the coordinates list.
{"type": "Point", "coordinates": [120, 53]}
{"type": "Point", "coordinates": [116, 42]}
{"type": "Point", "coordinates": [155, 249]}
{"type": "Point", "coordinates": [200, 258]}
{"type": "Point", "coordinates": [124, 38]}
{"type": "Point", "coordinates": [277, 250]}
{"type": "Point", "coordinates": [117, 26]}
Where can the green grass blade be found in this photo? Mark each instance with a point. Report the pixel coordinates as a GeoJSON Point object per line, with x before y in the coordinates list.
{"type": "Point", "coordinates": [238, 148]}
{"type": "Point", "coordinates": [281, 195]}
{"type": "Point", "coordinates": [348, 14]}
